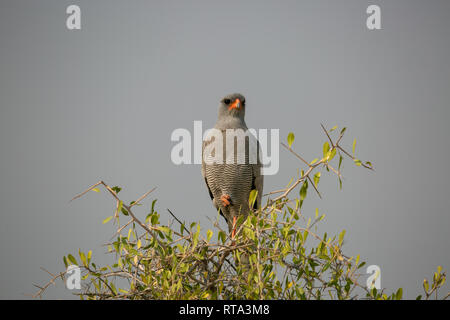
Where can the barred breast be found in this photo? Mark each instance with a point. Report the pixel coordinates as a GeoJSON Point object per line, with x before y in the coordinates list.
{"type": "Point", "coordinates": [234, 179]}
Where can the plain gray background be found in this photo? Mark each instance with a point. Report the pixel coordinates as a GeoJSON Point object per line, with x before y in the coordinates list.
{"type": "Point", "coordinates": [102, 102]}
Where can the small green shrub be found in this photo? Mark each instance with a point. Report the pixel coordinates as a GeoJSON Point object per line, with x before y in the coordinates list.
{"type": "Point", "coordinates": [285, 255]}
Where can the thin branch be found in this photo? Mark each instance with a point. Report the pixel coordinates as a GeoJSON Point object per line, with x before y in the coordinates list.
{"type": "Point", "coordinates": [315, 188]}
{"type": "Point", "coordinates": [329, 138]}
{"type": "Point", "coordinates": [178, 220]}
{"type": "Point", "coordinates": [142, 197]}
{"type": "Point", "coordinates": [295, 154]}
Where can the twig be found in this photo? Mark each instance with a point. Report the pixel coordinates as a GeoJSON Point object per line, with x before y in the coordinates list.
{"type": "Point", "coordinates": [329, 138]}
{"type": "Point", "coordinates": [178, 220]}
{"type": "Point", "coordinates": [312, 183]}
{"type": "Point", "coordinates": [142, 197]}
{"type": "Point", "coordinates": [295, 154]}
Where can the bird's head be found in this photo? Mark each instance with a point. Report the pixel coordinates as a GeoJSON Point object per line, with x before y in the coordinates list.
{"type": "Point", "coordinates": [233, 105]}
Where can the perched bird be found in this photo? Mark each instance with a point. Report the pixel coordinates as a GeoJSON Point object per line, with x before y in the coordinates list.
{"type": "Point", "coordinates": [230, 184]}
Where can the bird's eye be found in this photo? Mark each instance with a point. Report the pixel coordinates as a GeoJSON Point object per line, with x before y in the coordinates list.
{"type": "Point", "coordinates": [226, 101]}
{"type": "Point", "coordinates": [243, 103]}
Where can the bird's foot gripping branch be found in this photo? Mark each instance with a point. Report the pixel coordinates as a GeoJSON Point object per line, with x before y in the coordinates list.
{"type": "Point", "coordinates": [277, 251]}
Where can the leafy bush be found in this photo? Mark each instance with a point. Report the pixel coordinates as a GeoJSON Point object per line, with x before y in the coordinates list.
{"type": "Point", "coordinates": [276, 254]}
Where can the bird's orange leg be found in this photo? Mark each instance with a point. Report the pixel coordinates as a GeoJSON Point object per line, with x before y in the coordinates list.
{"type": "Point", "coordinates": [225, 200]}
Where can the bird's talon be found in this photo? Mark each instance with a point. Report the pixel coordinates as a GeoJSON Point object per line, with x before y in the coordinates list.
{"type": "Point", "coordinates": [225, 200]}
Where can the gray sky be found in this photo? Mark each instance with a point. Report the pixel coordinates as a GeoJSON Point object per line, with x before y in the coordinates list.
{"type": "Point", "coordinates": [102, 102]}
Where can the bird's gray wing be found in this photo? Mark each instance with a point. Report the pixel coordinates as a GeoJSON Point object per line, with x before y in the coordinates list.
{"type": "Point", "coordinates": [206, 181]}
{"type": "Point", "coordinates": [204, 172]}
{"type": "Point", "coordinates": [257, 180]}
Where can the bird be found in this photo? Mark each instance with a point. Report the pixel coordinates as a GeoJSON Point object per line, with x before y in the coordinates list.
{"type": "Point", "coordinates": [230, 184]}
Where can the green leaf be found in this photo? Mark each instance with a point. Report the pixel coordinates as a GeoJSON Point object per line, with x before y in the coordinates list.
{"type": "Point", "coordinates": [343, 130]}
{"type": "Point", "coordinates": [399, 294]}
{"type": "Point", "coordinates": [326, 148]}
{"type": "Point", "coordinates": [96, 189]}
{"type": "Point", "coordinates": [124, 211]}
{"type": "Point", "coordinates": [252, 198]}
{"type": "Point", "coordinates": [116, 189]}
{"type": "Point", "coordinates": [305, 235]}
{"type": "Point", "coordinates": [341, 237]}
{"type": "Point", "coordinates": [221, 236]}
{"type": "Point", "coordinates": [286, 249]}
{"type": "Point", "coordinates": [332, 129]}
{"type": "Point", "coordinates": [82, 257]}
{"type": "Point", "coordinates": [120, 206]}
{"type": "Point", "coordinates": [425, 285]}
{"type": "Point", "coordinates": [195, 237]}
{"type": "Point", "coordinates": [354, 146]}
{"type": "Point", "coordinates": [166, 230]}
{"type": "Point", "coordinates": [317, 178]}
{"type": "Point", "coordinates": [314, 161]}
{"type": "Point", "coordinates": [331, 154]}
{"type": "Point", "coordinates": [209, 234]}
{"type": "Point", "coordinates": [249, 233]}
{"type": "Point", "coordinates": [290, 139]}
{"type": "Point", "coordinates": [72, 259]}
{"type": "Point", "coordinates": [154, 219]}
{"type": "Point", "coordinates": [357, 162]}
{"type": "Point", "coordinates": [107, 220]}
{"type": "Point", "coordinates": [303, 190]}
{"type": "Point", "coordinates": [153, 206]}
{"type": "Point", "coordinates": [182, 227]}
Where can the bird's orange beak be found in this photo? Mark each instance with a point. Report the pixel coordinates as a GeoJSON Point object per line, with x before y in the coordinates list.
{"type": "Point", "coordinates": [235, 105]}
